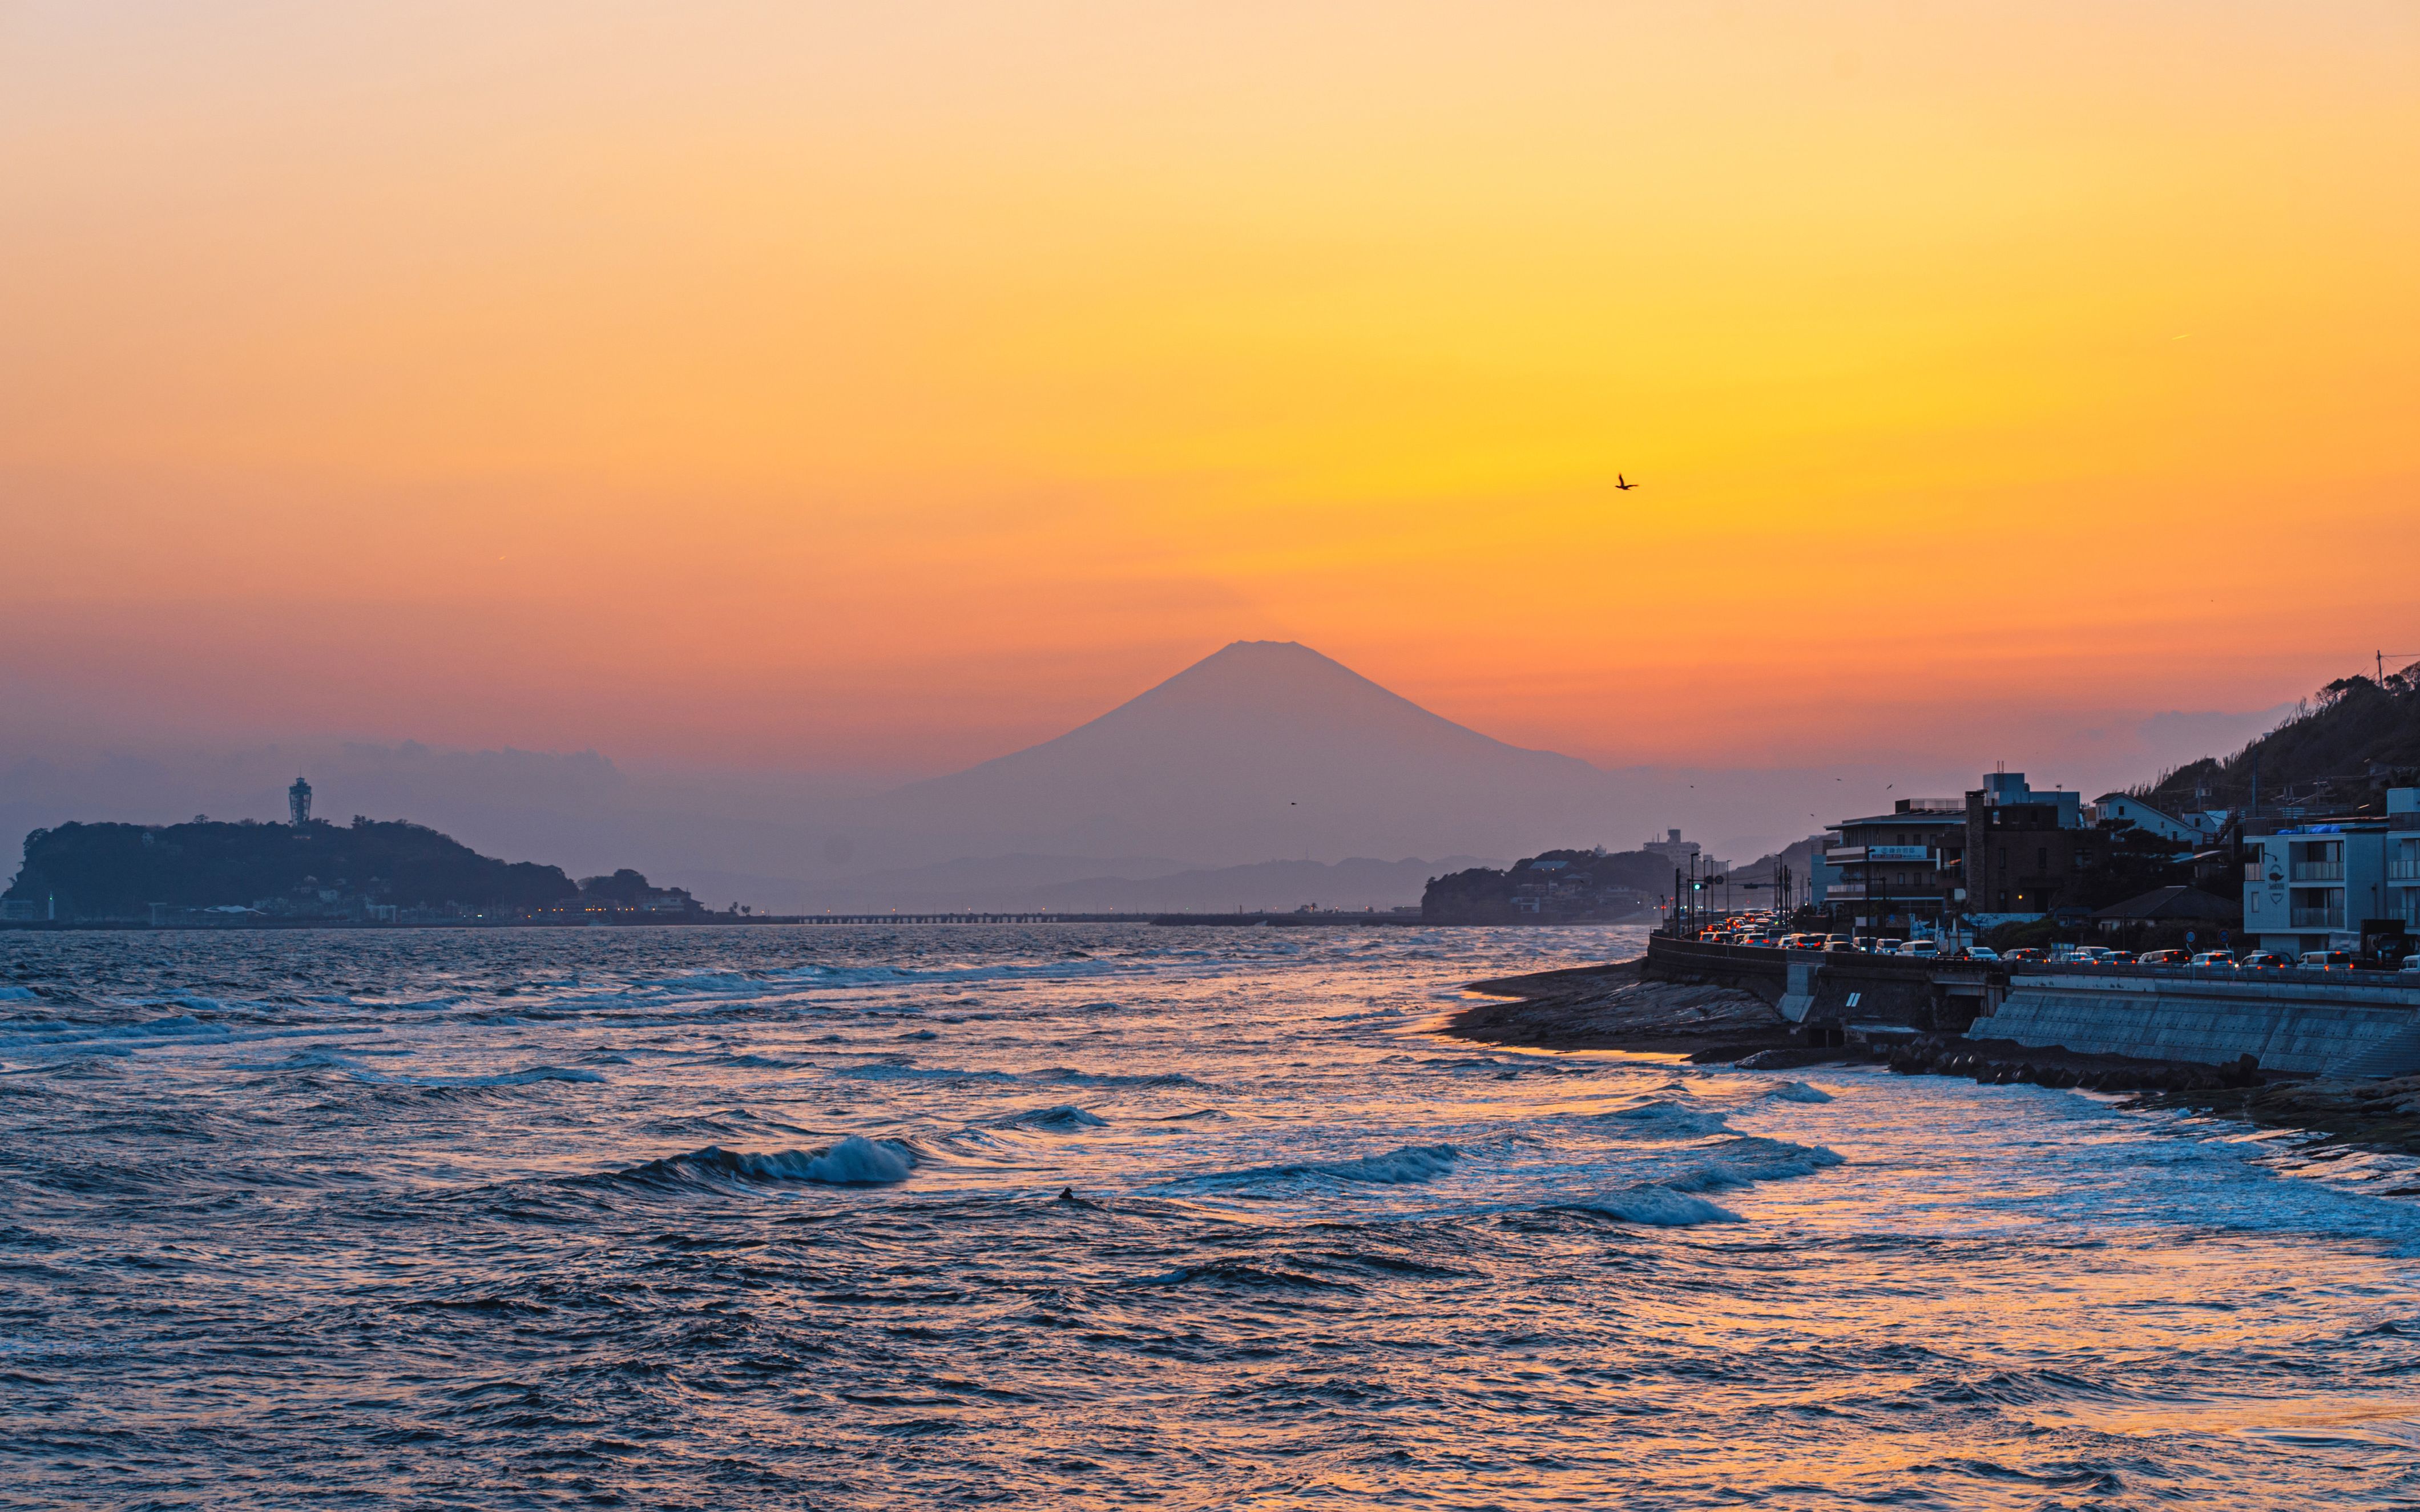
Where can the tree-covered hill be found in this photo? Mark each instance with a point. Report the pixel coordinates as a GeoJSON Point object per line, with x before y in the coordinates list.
{"type": "Point", "coordinates": [118, 870]}
{"type": "Point", "coordinates": [1554, 885]}
{"type": "Point", "coordinates": [2357, 738]}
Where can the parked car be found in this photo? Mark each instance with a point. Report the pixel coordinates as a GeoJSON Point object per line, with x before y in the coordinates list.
{"type": "Point", "coordinates": [2217, 960]}
{"type": "Point", "coordinates": [2263, 961]}
{"type": "Point", "coordinates": [2326, 961]}
{"type": "Point", "coordinates": [2161, 958]}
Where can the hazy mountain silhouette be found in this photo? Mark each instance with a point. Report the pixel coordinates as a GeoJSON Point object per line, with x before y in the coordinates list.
{"type": "Point", "coordinates": [1267, 749]}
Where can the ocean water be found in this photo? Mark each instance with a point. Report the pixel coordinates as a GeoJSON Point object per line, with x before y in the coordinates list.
{"type": "Point", "coordinates": [774, 1217]}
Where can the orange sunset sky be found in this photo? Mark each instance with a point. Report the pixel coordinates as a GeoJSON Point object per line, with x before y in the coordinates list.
{"type": "Point", "coordinates": [892, 385]}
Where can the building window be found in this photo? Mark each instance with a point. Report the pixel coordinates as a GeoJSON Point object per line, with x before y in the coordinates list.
{"type": "Point", "coordinates": [2042, 857]}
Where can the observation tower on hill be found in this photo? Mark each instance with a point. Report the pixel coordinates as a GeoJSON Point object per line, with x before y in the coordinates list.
{"type": "Point", "coordinates": [298, 802]}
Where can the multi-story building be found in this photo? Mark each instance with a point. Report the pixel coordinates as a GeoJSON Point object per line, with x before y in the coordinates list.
{"type": "Point", "coordinates": [1674, 850]}
{"type": "Point", "coordinates": [1888, 871]}
{"type": "Point", "coordinates": [2403, 856]}
{"type": "Point", "coordinates": [2313, 885]}
{"type": "Point", "coordinates": [2025, 851]}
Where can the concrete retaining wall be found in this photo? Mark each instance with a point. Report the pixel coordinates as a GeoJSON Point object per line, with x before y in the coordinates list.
{"type": "Point", "coordinates": [1834, 986]}
{"type": "Point", "coordinates": [2288, 1023]}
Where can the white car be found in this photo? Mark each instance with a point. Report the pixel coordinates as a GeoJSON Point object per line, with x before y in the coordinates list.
{"type": "Point", "coordinates": [2411, 963]}
{"type": "Point", "coordinates": [1920, 947]}
{"type": "Point", "coordinates": [2219, 960]}
{"type": "Point", "coordinates": [1981, 952]}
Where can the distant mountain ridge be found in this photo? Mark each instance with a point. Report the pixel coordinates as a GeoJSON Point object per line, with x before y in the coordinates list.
{"type": "Point", "coordinates": [1265, 750]}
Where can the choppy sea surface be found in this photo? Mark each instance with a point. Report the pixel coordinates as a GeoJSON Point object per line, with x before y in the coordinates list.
{"type": "Point", "coordinates": [711, 1218]}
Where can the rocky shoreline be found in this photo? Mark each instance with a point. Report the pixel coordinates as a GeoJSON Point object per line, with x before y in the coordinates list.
{"type": "Point", "coordinates": [1615, 1008]}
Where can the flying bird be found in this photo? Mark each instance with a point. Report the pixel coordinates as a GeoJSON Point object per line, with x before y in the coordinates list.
{"type": "Point", "coordinates": [1623, 484]}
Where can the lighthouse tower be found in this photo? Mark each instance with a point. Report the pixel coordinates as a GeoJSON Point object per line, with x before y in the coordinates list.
{"type": "Point", "coordinates": [298, 799]}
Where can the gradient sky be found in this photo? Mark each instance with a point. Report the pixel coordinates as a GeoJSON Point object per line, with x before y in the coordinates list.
{"type": "Point", "coordinates": [821, 386]}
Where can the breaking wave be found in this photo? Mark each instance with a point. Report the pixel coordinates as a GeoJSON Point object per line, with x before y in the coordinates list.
{"type": "Point", "coordinates": [1066, 1116]}
{"type": "Point", "coordinates": [1412, 1163]}
{"type": "Point", "coordinates": [1659, 1207]}
{"type": "Point", "coordinates": [855, 1161]}
{"type": "Point", "coordinates": [1662, 1120]}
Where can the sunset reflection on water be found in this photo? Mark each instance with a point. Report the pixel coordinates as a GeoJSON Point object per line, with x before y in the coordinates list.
{"type": "Point", "coordinates": [537, 1217]}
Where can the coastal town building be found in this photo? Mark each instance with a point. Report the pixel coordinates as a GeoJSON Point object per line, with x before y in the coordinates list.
{"type": "Point", "coordinates": [1894, 870]}
{"type": "Point", "coordinates": [2403, 855]}
{"type": "Point", "coordinates": [2026, 850]}
{"type": "Point", "coordinates": [2322, 883]}
{"type": "Point", "coordinates": [2187, 829]}
{"type": "Point", "coordinates": [1672, 848]}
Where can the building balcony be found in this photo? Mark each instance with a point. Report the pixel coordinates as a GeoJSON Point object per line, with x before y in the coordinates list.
{"type": "Point", "coordinates": [2403, 871]}
{"type": "Point", "coordinates": [2318, 871]}
{"type": "Point", "coordinates": [2318, 918]}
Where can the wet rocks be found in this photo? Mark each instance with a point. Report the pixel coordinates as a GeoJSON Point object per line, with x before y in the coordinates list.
{"type": "Point", "coordinates": [2003, 1063]}
{"type": "Point", "coordinates": [1614, 1008]}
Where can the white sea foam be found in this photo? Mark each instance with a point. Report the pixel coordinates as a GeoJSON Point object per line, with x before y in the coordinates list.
{"type": "Point", "coordinates": [1412, 1163]}
{"type": "Point", "coordinates": [1661, 1207]}
{"type": "Point", "coordinates": [855, 1161]}
{"type": "Point", "coordinates": [1660, 1119]}
{"type": "Point", "coordinates": [1064, 1116]}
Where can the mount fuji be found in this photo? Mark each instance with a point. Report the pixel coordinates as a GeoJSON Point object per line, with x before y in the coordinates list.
{"type": "Point", "coordinates": [1265, 750]}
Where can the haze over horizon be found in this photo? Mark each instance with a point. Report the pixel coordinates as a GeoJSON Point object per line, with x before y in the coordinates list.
{"type": "Point", "coordinates": [1262, 752]}
{"type": "Point", "coordinates": [815, 390]}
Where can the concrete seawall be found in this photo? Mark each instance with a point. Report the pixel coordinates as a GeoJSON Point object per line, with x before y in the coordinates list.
{"type": "Point", "coordinates": [1836, 986]}
{"type": "Point", "coordinates": [2336, 1023]}
{"type": "Point", "coordinates": [2330, 1023]}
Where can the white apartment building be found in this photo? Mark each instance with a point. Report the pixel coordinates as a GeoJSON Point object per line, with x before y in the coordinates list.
{"type": "Point", "coordinates": [2310, 886]}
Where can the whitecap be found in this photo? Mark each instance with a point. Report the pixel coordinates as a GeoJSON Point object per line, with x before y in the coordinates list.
{"type": "Point", "coordinates": [1798, 1092]}
{"type": "Point", "coordinates": [1660, 1206]}
{"type": "Point", "coordinates": [855, 1161]}
{"type": "Point", "coordinates": [1412, 1163]}
{"type": "Point", "coordinates": [1064, 1116]}
{"type": "Point", "coordinates": [1660, 1119]}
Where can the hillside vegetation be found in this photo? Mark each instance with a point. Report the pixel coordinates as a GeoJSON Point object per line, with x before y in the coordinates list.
{"type": "Point", "coordinates": [118, 870]}
{"type": "Point", "coordinates": [2357, 738]}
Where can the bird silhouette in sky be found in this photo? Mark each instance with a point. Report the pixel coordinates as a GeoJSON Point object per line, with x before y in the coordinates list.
{"type": "Point", "coordinates": [1623, 484]}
